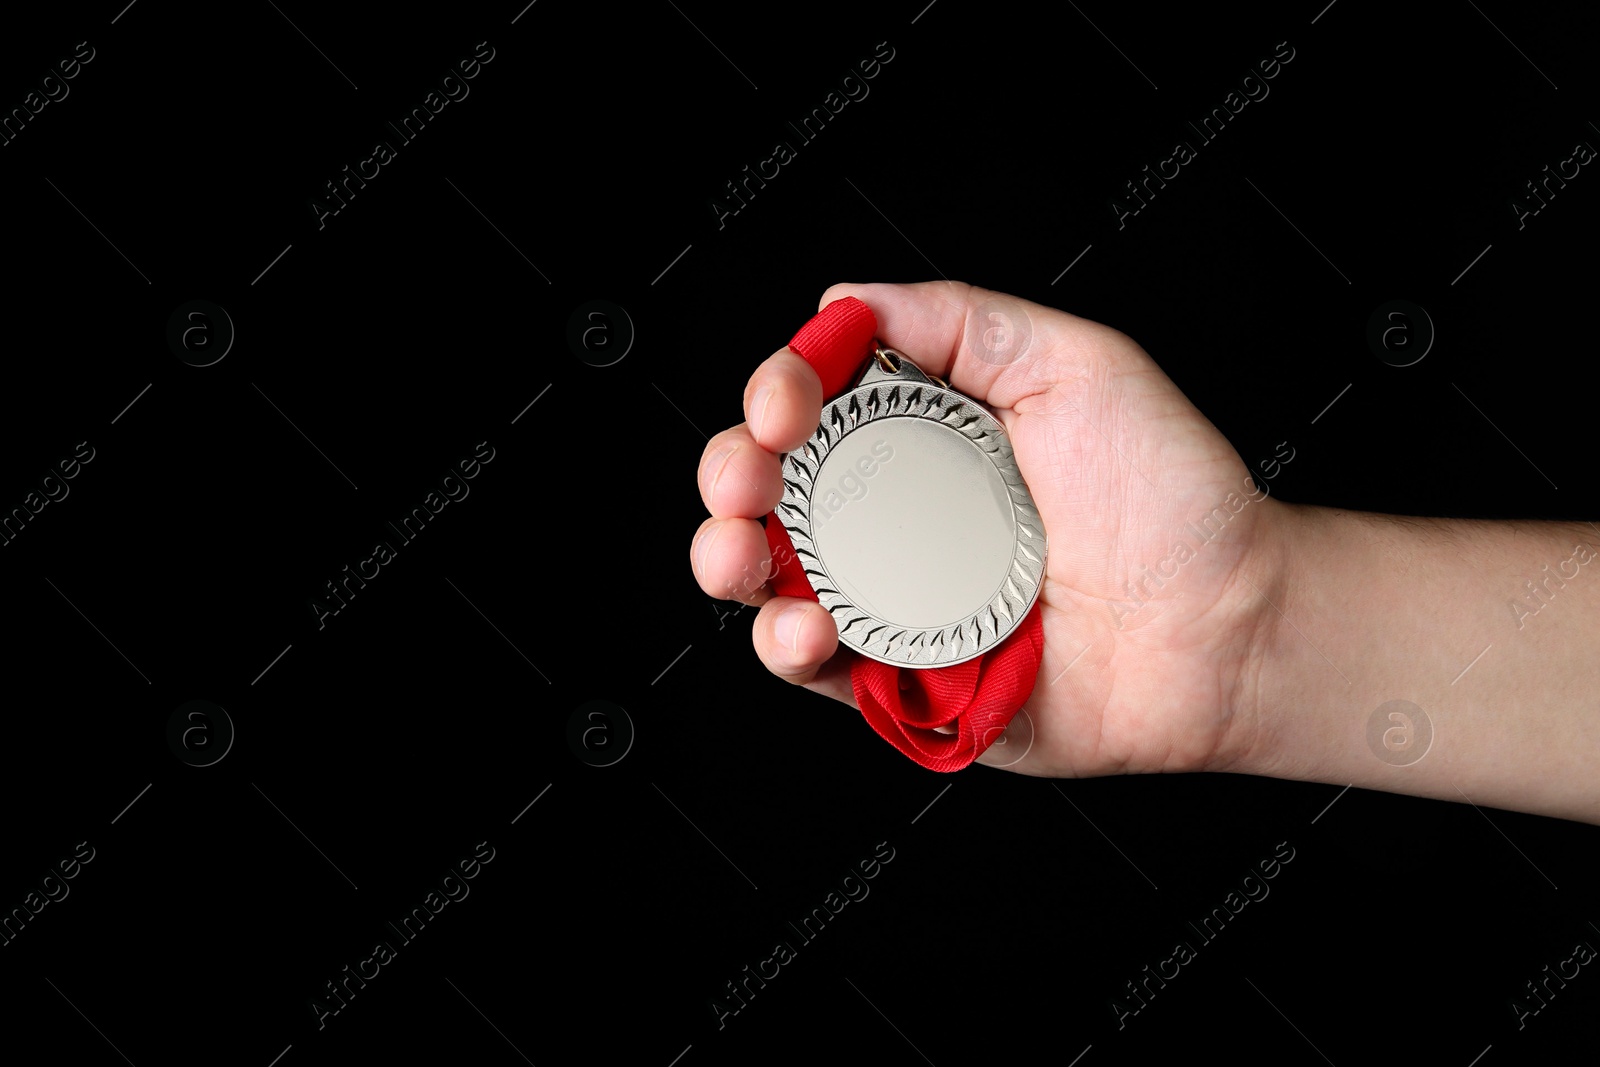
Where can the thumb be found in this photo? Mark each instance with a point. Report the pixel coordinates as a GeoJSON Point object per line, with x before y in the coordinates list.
{"type": "Point", "coordinates": [992, 346]}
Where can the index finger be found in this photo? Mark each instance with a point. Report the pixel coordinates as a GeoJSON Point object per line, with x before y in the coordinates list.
{"type": "Point", "coordinates": [783, 402]}
{"type": "Point", "coordinates": [784, 397]}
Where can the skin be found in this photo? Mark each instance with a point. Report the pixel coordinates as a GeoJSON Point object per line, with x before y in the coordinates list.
{"type": "Point", "coordinates": [1266, 645]}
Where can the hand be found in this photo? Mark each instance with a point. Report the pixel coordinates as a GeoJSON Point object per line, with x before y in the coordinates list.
{"type": "Point", "coordinates": [1160, 561]}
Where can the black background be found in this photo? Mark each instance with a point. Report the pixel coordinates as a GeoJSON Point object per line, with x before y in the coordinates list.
{"type": "Point", "coordinates": [424, 718]}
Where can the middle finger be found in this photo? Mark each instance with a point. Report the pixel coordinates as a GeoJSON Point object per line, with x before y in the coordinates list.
{"type": "Point", "coordinates": [738, 478]}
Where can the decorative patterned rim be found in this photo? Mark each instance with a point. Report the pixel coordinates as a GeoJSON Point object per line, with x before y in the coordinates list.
{"type": "Point", "coordinates": [859, 629]}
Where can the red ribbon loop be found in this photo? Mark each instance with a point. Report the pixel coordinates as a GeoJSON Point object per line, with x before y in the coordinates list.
{"type": "Point", "coordinates": [905, 704]}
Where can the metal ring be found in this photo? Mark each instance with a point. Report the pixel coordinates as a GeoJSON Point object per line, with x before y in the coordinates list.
{"type": "Point", "coordinates": [887, 359]}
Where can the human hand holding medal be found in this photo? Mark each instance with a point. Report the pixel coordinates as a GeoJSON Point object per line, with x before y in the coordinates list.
{"type": "Point", "coordinates": [965, 495]}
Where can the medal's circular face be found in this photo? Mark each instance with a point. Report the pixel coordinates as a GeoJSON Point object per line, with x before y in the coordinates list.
{"type": "Point", "coordinates": [913, 525]}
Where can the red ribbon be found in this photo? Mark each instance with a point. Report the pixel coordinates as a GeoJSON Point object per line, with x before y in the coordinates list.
{"type": "Point", "coordinates": [905, 704]}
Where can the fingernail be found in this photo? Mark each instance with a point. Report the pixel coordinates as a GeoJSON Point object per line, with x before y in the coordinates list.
{"type": "Point", "coordinates": [758, 410]}
{"type": "Point", "coordinates": [721, 461]}
{"type": "Point", "coordinates": [709, 538]}
{"type": "Point", "coordinates": [786, 628]}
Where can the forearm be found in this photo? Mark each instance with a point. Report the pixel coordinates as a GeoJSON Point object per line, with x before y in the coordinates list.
{"type": "Point", "coordinates": [1491, 628]}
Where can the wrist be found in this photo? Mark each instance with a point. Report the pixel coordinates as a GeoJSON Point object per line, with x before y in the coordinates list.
{"type": "Point", "coordinates": [1256, 741]}
{"type": "Point", "coordinates": [1438, 614]}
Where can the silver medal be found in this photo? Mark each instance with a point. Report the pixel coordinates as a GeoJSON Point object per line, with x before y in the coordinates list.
{"type": "Point", "coordinates": [912, 522]}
